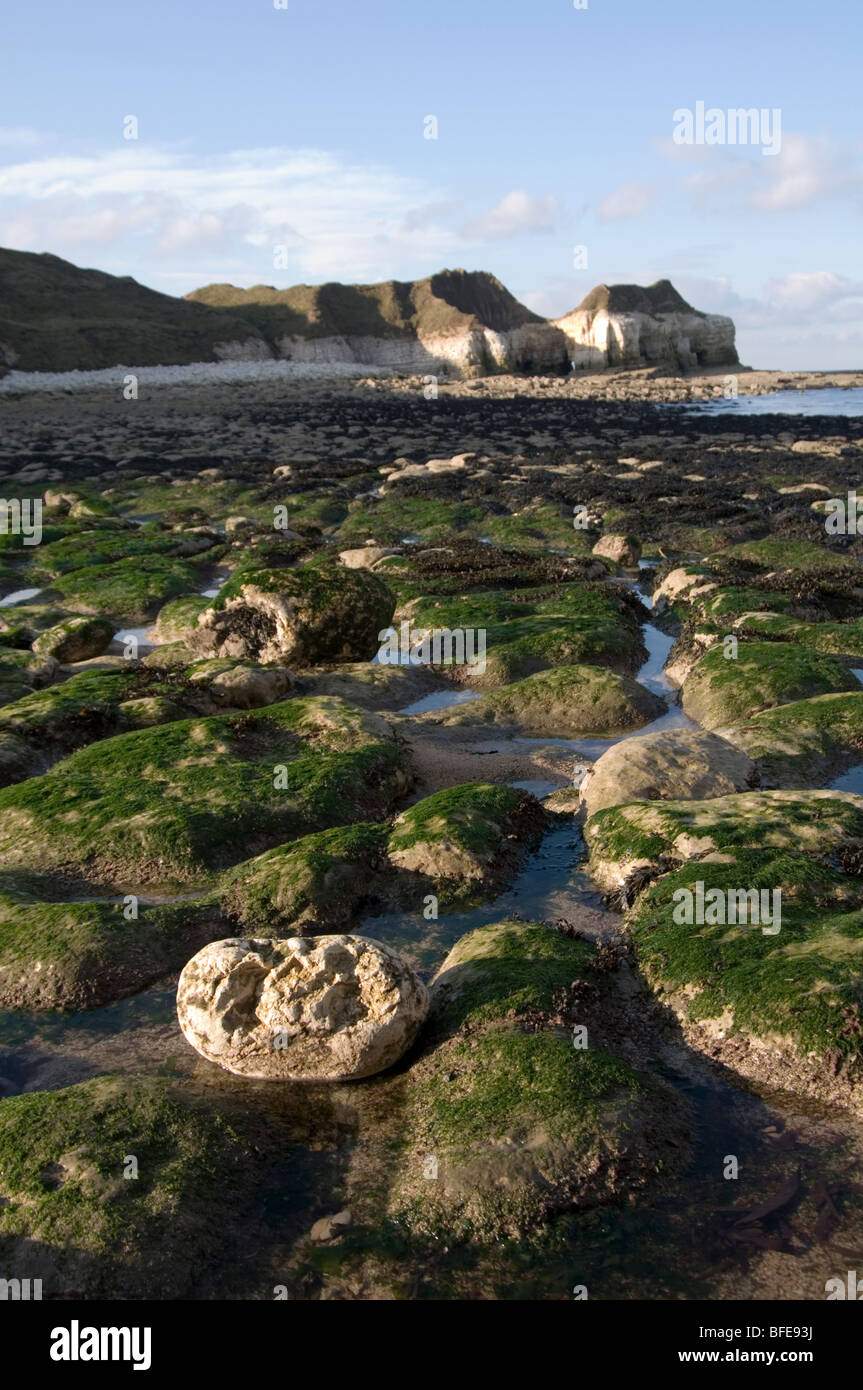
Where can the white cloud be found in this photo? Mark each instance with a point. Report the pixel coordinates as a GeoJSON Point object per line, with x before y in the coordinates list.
{"type": "Point", "coordinates": [147, 206]}
{"type": "Point", "coordinates": [21, 137]}
{"type": "Point", "coordinates": [806, 171]}
{"type": "Point", "coordinates": [630, 200]}
{"type": "Point", "coordinates": [516, 212]}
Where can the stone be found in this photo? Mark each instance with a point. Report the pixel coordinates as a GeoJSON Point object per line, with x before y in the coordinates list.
{"type": "Point", "coordinates": [330, 1227]}
{"type": "Point", "coordinates": [364, 556]}
{"type": "Point", "coordinates": [301, 616]}
{"type": "Point", "coordinates": [657, 766]}
{"type": "Point", "coordinates": [75, 639]}
{"type": "Point", "coordinates": [243, 687]}
{"type": "Point", "coordinates": [327, 1008]}
{"type": "Point", "coordinates": [623, 550]}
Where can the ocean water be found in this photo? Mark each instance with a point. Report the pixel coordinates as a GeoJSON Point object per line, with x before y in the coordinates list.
{"type": "Point", "coordinates": [829, 400]}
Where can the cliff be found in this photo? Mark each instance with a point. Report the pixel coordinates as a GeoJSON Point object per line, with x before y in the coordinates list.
{"type": "Point", "coordinates": [464, 320]}
{"type": "Point", "coordinates": [630, 326]}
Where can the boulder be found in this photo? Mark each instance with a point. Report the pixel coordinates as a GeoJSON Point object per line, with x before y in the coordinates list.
{"type": "Point", "coordinates": [303, 615]}
{"type": "Point", "coordinates": [623, 550]}
{"type": "Point", "coordinates": [364, 556]}
{"type": "Point", "coordinates": [657, 766]}
{"type": "Point", "coordinates": [75, 639]}
{"type": "Point", "coordinates": [327, 1008]}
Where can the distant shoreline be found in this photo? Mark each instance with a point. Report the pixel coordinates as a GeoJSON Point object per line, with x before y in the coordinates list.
{"type": "Point", "coordinates": [643, 384]}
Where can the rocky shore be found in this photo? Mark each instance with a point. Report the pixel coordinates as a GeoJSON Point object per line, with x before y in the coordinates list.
{"type": "Point", "coordinates": [486, 904]}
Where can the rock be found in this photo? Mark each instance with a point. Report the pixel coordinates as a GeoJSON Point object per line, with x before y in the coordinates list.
{"type": "Point", "coordinates": [178, 619]}
{"type": "Point", "coordinates": [568, 701]}
{"type": "Point", "coordinates": [674, 586]}
{"type": "Point", "coordinates": [68, 1216]}
{"type": "Point", "coordinates": [654, 835]}
{"type": "Point", "coordinates": [721, 691]}
{"type": "Point", "coordinates": [519, 1123]}
{"type": "Point", "coordinates": [182, 799]}
{"type": "Point", "coordinates": [630, 326]}
{"type": "Point", "coordinates": [623, 550]}
{"type": "Point", "coordinates": [781, 1007]}
{"type": "Point", "coordinates": [327, 1008]}
{"type": "Point", "coordinates": [75, 639]}
{"type": "Point", "coordinates": [364, 557]}
{"type": "Point", "coordinates": [330, 1227]}
{"type": "Point", "coordinates": [301, 616]}
{"type": "Point", "coordinates": [658, 767]}
{"type": "Point", "coordinates": [466, 839]}
{"type": "Point", "coordinates": [241, 686]}
{"type": "Point", "coordinates": [237, 523]}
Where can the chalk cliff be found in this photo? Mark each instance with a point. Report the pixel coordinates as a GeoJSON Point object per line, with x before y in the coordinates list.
{"type": "Point", "coordinates": [631, 326]}
{"type": "Point", "coordinates": [463, 320]}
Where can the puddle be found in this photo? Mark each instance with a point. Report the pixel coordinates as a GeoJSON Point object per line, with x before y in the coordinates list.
{"type": "Point", "coordinates": [537, 787]}
{"type": "Point", "coordinates": [138, 635]}
{"type": "Point", "coordinates": [850, 781]}
{"type": "Point", "coordinates": [441, 699]}
{"type": "Point", "coordinates": [19, 596]}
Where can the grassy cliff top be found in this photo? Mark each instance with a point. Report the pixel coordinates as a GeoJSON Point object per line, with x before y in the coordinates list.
{"type": "Point", "coordinates": [450, 301]}
{"type": "Point", "coordinates": [56, 317]}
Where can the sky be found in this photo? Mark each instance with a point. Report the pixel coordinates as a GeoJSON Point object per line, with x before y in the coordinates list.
{"type": "Point", "coordinates": [291, 145]}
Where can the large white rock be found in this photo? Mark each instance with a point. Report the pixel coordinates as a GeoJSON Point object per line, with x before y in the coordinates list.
{"type": "Point", "coordinates": [324, 1008]}
{"type": "Point", "coordinates": [631, 326]}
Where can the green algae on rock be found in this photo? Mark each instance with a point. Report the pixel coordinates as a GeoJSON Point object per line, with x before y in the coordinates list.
{"type": "Point", "coordinates": [465, 841]}
{"type": "Point", "coordinates": [566, 701]}
{"type": "Point", "coordinates": [304, 615]}
{"type": "Point", "coordinates": [130, 590]}
{"type": "Point", "coordinates": [78, 955]}
{"type": "Point", "coordinates": [71, 1218]}
{"type": "Point", "coordinates": [175, 802]}
{"type": "Point", "coordinates": [44, 726]}
{"type": "Point", "coordinates": [803, 743]}
{"type": "Point", "coordinates": [75, 639]}
{"type": "Point", "coordinates": [721, 691]}
{"type": "Point", "coordinates": [462, 845]}
{"type": "Point", "coordinates": [658, 835]}
{"type": "Point", "coordinates": [783, 1009]}
{"type": "Point", "coordinates": [521, 1124]}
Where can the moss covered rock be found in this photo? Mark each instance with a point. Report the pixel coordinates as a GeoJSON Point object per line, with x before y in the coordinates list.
{"type": "Point", "coordinates": [315, 883]}
{"type": "Point", "coordinates": [70, 1216]}
{"type": "Point", "coordinates": [465, 840]}
{"type": "Point", "coordinates": [78, 955]}
{"type": "Point", "coordinates": [721, 691]}
{"type": "Point", "coordinates": [176, 801]}
{"type": "Point", "coordinates": [178, 619]}
{"type": "Point", "coordinates": [658, 835]}
{"type": "Point", "coordinates": [783, 1009]}
{"type": "Point", "coordinates": [130, 590]}
{"type": "Point", "coordinates": [303, 615]}
{"type": "Point", "coordinates": [566, 702]}
{"type": "Point", "coordinates": [76, 639]}
{"type": "Point", "coordinates": [521, 1123]}
{"type": "Point", "coordinates": [804, 743]}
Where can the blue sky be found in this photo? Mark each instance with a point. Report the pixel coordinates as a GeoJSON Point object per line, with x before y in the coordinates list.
{"type": "Point", "coordinates": [303, 128]}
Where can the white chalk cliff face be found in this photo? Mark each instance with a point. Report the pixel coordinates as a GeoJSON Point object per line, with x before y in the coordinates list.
{"type": "Point", "coordinates": [466, 352]}
{"type": "Point", "coordinates": [629, 327]}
